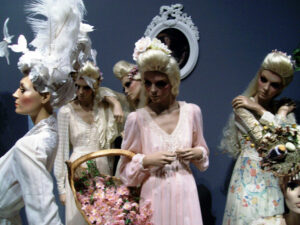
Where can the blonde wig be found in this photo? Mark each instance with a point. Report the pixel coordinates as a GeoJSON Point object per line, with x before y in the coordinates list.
{"type": "Point", "coordinates": [158, 60]}
{"type": "Point", "coordinates": [124, 68]}
{"type": "Point", "coordinates": [91, 74]}
{"type": "Point", "coordinates": [276, 62]}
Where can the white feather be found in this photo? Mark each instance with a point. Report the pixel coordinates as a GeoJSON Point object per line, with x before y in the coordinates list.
{"type": "Point", "coordinates": [56, 34]}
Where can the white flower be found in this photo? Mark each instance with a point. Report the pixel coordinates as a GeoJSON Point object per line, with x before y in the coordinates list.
{"type": "Point", "coordinates": [146, 43]}
{"type": "Point", "coordinates": [157, 44]}
{"type": "Point", "coordinates": [290, 146]}
{"type": "Point", "coordinates": [141, 46]}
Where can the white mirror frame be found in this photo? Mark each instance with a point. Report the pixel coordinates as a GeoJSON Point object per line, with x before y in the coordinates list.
{"type": "Point", "coordinates": [173, 17]}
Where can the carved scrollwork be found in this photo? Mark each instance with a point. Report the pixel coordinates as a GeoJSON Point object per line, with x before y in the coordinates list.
{"type": "Point", "coordinates": [171, 19]}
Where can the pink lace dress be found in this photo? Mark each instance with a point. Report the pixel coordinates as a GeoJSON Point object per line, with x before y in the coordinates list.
{"type": "Point", "coordinates": [171, 189]}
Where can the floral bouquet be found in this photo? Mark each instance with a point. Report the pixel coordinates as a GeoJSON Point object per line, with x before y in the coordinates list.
{"type": "Point", "coordinates": [279, 148]}
{"type": "Point", "coordinates": [103, 199]}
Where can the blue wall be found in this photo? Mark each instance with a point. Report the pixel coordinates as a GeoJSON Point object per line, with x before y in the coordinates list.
{"type": "Point", "coordinates": [234, 38]}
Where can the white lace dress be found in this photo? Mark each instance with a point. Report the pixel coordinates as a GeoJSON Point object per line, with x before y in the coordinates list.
{"type": "Point", "coordinates": [25, 178]}
{"type": "Point", "coordinates": [80, 138]}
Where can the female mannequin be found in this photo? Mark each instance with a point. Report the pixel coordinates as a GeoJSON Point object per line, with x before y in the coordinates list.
{"type": "Point", "coordinates": [85, 125]}
{"type": "Point", "coordinates": [130, 77]}
{"type": "Point", "coordinates": [254, 193]}
{"type": "Point", "coordinates": [155, 133]}
{"type": "Point", "coordinates": [46, 85]}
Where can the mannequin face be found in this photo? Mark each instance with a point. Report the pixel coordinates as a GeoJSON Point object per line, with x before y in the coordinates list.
{"type": "Point", "coordinates": [83, 91]}
{"type": "Point", "coordinates": [269, 85]}
{"type": "Point", "coordinates": [292, 197]}
{"type": "Point", "coordinates": [158, 87]}
{"type": "Point", "coordinates": [132, 88]}
{"type": "Point", "coordinates": [27, 100]}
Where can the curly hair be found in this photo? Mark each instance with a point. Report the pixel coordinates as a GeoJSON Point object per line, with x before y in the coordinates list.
{"type": "Point", "coordinates": [157, 60]}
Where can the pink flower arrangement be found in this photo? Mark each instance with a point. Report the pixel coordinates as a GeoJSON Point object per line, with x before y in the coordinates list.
{"type": "Point", "coordinates": [105, 201]}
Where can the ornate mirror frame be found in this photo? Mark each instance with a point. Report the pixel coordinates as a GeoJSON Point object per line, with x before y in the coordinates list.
{"type": "Point", "coordinates": [173, 17]}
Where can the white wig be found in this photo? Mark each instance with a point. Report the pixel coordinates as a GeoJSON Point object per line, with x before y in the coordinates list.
{"type": "Point", "coordinates": [91, 75]}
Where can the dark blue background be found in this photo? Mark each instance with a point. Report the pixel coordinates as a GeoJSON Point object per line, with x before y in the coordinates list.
{"type": "Point", "coordinates": [234, 38]}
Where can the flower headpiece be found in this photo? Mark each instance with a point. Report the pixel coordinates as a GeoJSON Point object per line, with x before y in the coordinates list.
{"type": "Point", "coordinates": [133, 72]}
{"type": "Point", "coordinates": [146, 43]}
{"type": "Point", "coordinates": [282, 53]}
{"type": "Point", "coordinates": [50, 63]}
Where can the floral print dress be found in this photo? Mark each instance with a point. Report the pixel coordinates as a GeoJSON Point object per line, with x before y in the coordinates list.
{"type": "Point", "coordinates": [253, 193]}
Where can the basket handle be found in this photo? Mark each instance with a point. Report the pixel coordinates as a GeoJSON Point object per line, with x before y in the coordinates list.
{"type": "Point", "coordinates": [73, 165]}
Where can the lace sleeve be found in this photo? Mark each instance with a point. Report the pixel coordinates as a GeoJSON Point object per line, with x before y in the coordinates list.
{"type": "Point", "coordinates": [277, 120]}
{"type": "Point", "coordinates": [62, 155]}
{"type": "Point", "coordinates": [246, 122]}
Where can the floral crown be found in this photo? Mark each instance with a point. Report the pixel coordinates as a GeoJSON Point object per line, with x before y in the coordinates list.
{"type": "Point", "coordinates": [145, 43]}
{"type": "Point", "coordinates": [133, 72]}
{"type": "Point", "coordinates": [291, 58]}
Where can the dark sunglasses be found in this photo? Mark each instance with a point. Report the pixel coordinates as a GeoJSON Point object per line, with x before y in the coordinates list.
{"type": "Point", "coordinates": [158, 84]}
{"type": "Point", "coordinates": [127, 84]}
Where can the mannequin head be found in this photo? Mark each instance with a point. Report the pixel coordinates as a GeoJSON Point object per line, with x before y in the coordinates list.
{"type": "Point", "coordinates": [291, 191]}
{"type": "Point", "coordinates": [29, 101]}
{"type": "Point", "coordinates": [277, 64]}
{"type": "Point", "coordinates": [153, 60]}
{"type": "Point", "coordinates": [130, 78]}
{"type": "Point", "coordinates": [158, 87]}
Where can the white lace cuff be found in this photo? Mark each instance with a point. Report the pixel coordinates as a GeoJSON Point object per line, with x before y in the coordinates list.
{"type": "Point", "coordinates": [138, 159]}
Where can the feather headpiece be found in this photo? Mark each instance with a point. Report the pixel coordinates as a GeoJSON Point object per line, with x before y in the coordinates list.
{"type": "Point", "coordinates": [56, 26]}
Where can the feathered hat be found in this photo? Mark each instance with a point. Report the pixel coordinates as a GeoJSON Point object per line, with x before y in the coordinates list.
{"type": "Point", "coordinates": [56, 26]}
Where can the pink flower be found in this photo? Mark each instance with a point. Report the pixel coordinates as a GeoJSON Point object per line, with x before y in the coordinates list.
{"type": "Point", "coordinates": [253, 172]}
{"type": "Point", "coordinates": [127, 206]}
{"type": "Point", "coordinates": [111, 205]}
{"type": "Point", "coordinates": [141, 46]}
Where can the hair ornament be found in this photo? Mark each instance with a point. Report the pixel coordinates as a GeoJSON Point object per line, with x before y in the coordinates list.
{"type": "Point", "coordinates": [133, 72]}
{"type": "Point", "coordinates": [282, 53]}
{"type": "Point", "coordinates": [145, 43]}
{"type": "Point", "coordinates": [48, 61]}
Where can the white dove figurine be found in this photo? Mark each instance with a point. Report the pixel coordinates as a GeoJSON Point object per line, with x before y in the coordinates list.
{"type": "Point", "coordinates": [6, 40]}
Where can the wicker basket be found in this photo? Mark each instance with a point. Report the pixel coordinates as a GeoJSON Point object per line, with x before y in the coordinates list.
{"type": "Point", "coordinates": [73, 166]}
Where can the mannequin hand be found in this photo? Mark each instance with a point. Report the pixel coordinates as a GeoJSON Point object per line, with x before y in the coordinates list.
{"type": "Point", "coordinates": [190, 154]}
{"type": "Point", "coordinates": [286, 109]}
{"type": "Point", "coordinates": [62, 199]}
{"type": "Point", "coordinates": [117, 108]}
{"type": "Point", "coordinates": [245, 102]}
{"type": "Point", "coordinates": [118, 113]}
{"type": "Point", "coordinates": [159, 159]}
